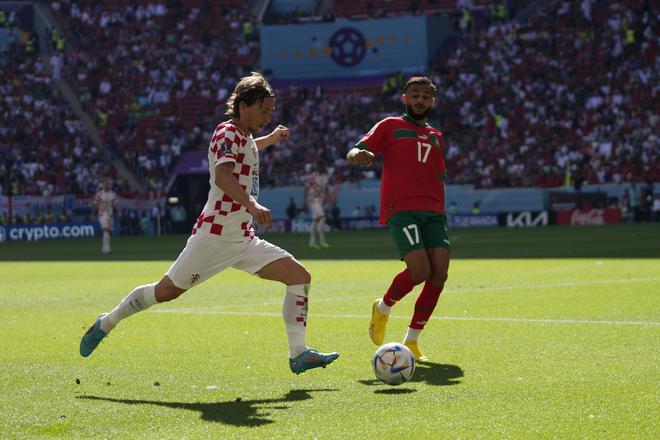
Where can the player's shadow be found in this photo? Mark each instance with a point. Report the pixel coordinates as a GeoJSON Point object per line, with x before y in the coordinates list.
{"type": "Point", "coordinates": [429, 372]}
{"type": "Point", "coordinates": [251, 413]}
{"type": "Point", "coordinates": [386, 390]}
{"type": "Point", "coordinates": [437, 374]}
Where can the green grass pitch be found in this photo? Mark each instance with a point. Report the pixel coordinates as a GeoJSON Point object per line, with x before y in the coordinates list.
{"type": "Point", "coordinates": [540, 333]}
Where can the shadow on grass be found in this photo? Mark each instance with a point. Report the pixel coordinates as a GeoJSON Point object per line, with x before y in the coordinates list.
{"type": "Point", "coordinates": [251, 413]}
{"type": "Point", "coordinates": [427, 372]}
{"type": "Point", "coordinates": [395, 391]}
{"type": "Point", "coordinates": [437, 374]}
{"type": "Point", "coordinates": [388, 389]}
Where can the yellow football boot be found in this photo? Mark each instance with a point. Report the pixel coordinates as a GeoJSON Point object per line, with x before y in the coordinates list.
{"type": "Point", "coordinates": [378, 324]}
{"type": "Point", "coordinates": [419, 356]}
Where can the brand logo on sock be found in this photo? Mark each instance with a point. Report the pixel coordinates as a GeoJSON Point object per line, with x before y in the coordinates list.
{"type": "Point", "coordinates": [194, 278]}
{"type": "Point", "coordinates": [136, 304]}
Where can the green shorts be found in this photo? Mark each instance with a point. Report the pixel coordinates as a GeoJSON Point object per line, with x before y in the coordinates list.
{"type": "Point", "coordinates": [414, 230]}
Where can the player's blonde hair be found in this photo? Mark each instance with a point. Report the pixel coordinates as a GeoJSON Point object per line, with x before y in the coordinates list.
{"type": "Point", "coordinates": [249, 90]}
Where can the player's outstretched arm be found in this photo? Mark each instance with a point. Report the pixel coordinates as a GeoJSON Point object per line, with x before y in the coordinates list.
{"type": "Point", "coordinates": [280, 132]}
{"type": "Point", "coordinates": [228, 183]}
{"type": "Point", "coordinates": [360, 157]}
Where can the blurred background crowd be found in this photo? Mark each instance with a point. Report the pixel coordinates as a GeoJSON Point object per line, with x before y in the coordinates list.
{"type": "Point", "coordinates": [542, 94]}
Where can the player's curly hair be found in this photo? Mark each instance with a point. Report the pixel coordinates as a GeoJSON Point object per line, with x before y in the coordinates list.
{"type": "Point", "coordinates": [418, 80]}
{"type": "Point", "coordinates": [249, 90]}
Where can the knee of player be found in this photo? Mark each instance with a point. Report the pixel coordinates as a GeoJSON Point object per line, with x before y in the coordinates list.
{"type": "Point", "coordinates": [420, 275]}
{"type": "Point", "coordinates": [175, 293]}
{"type": "Point", "coordinates": [167, 291]}
{"type": "Point", "coordinates": [302, 276]}
{"type": "Point", "coordinates": [298, 274]}
{"type": "Point", "coordinates": [438, 278]}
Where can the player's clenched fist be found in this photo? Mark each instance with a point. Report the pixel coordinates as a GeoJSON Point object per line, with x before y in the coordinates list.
{"type": "Point", "coordinates": [261, 215]}
{"type": "Point", "coordinates": [360, 157]}
{"type": "Point", "coordinates": [280, 132]}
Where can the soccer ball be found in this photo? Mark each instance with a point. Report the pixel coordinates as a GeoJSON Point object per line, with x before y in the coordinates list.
{"type": "Point", "coordinates": [393, 363]}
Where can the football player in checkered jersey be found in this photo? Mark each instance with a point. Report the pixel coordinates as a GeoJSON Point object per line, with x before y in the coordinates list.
{"type": "Point", "coordinates": [105, 203]}
{"type": "Point", "coordinates": [223, 236]}
{"type": "Point", "coordinates": [315, 195]}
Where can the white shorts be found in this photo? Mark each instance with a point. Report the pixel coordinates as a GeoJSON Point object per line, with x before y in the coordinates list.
{"type": "Point", "coordinates": [106, 221]}
{"type": "Point", "coordinates": [205, 256]}
{"type": "Point", "coordinates": [317, 210]}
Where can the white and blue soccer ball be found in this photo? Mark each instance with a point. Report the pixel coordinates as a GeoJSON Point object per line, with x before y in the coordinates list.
{"type": "Point", "coordinates": [393, 363]}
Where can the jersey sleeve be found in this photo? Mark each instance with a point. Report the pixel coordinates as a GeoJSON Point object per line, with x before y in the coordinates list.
{"type": "Point", "coordinates": [225, 147]}
{"type": "Point", "coordinates": [377, 138]}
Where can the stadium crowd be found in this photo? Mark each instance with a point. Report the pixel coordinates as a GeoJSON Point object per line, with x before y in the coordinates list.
{"type": "Point", "coordinates": [44, 147]}
{"type": "Point", "coordinates": [155, 75]}
{"type": "Point", "coordinates": [571, 96]}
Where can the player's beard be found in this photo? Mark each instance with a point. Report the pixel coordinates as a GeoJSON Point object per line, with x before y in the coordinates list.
{"type": "Point", "coordinates": [417, 116]}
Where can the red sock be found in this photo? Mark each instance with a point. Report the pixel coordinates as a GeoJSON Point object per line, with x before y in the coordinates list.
{"type": "Point", "coordinates": [402, 284]}
{"type": "Point", "coordinates": [425, 305]}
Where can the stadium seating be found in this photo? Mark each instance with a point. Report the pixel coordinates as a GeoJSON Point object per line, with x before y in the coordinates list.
{"type": "Point", "coordinates": [511, 107]}
{"type": "Point", "coordinates": [163, 74]}
{"type": "Point", "coordinates": [562, 98]}
{"type": "Point", "coordinates": [44, 147]}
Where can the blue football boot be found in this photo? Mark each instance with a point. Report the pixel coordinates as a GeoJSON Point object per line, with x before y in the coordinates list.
{"type": "Point", "coordinates": [92, 338]}
{"type": "Point", "coordinates": [311, 358]}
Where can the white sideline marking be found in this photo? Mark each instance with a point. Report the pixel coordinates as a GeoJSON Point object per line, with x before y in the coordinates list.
{"type": "Point", "coordinates": [547, 285]}
{"type": "Point", "coordinates": [446, 318]}
{"type": "Point", "coordinates": [220, 310]}
{"type": "Point", "coordinates": [455, 290]}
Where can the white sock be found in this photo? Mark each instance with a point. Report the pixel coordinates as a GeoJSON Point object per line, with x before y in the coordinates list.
{"type": "Point", "coordinates": [312, 233]}
{"type": "Point", "coordinates": [321, 230]}
{"type": "Point", "coordinates": [412, 334]}
{"type": "Point", "coordinates": [141, 298]}
{"type": "Point", "coordinates": [384, 308]}
{"type": "Point", "coordinates": [294, 311]}
{"type": "Point", "coordinates": [106, 240]}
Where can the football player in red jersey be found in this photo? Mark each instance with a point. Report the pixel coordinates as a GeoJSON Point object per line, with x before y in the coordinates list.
{"type": "Point", "coordinates": [412, 204]}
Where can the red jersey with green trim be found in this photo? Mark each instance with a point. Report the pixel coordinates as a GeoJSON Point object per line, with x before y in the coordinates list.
{"type": "Point", "coordinates": [413, 165]}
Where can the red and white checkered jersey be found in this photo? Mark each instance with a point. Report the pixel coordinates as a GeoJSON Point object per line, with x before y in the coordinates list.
{"type": "Point", "coordinates": [222, 217]}
{"type": "Point", "coordinates": [316, 185]}
{"type": "Point", "coordinates": [105, 202]}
